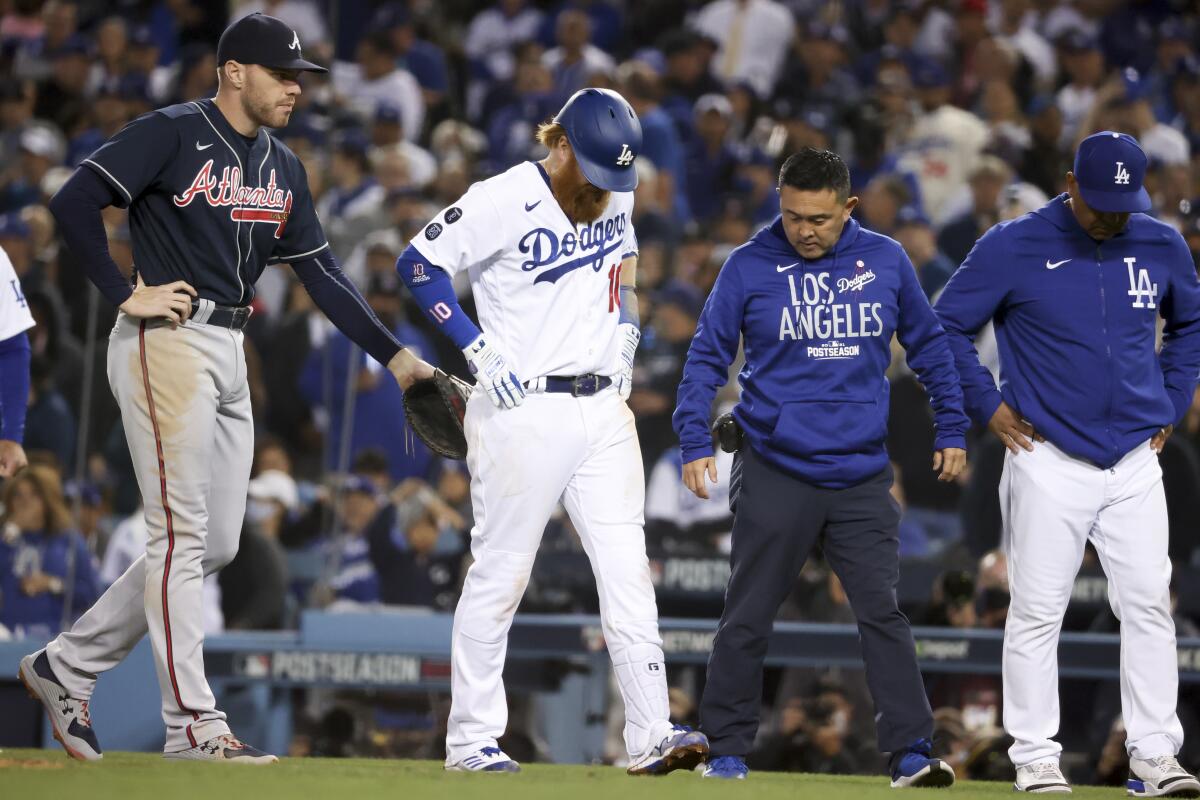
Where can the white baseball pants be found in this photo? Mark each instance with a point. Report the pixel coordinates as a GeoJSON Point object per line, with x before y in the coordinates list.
{"type": "Point", "coordinates": [585, 452]}
{"type": "Point", "coordinates": [1052, 505]}
{"type": "Point", "coordinates": [185, 406]}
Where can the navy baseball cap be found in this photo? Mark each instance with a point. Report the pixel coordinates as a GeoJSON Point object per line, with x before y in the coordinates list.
{"type": "Point", "coordinates": [1110, 168]}
{"type": "Point", "coordinates": [263, 40]}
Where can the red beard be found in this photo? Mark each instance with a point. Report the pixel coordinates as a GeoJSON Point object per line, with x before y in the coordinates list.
{"type": "Point", "coordinates": [586, 204]}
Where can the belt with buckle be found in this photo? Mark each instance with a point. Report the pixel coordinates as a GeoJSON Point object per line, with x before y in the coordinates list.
{"type": "Point", "coordinates": [209, 313]}
{"type": "Point", "coordinates": [578, 385]}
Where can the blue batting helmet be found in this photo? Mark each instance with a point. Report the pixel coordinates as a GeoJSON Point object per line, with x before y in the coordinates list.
{"type": "Point", "coordinates": [606, 137]}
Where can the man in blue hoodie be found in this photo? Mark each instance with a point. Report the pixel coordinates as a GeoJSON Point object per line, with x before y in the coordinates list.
{"type": "Point", "coordinates": [816, 299]}
{"type": "Point", "coordinates": [1084, 407]}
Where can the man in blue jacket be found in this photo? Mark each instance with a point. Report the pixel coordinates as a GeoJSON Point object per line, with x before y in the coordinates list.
{"type": "Point", "coordinates": [816, 299]}
{"type": "Point", "coordinates": [1084, 407]}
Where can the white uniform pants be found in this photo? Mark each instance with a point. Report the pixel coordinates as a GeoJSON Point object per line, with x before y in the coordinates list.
{"type": "Point", "coordinates": [1052, 505]}
{"type": "Point", "coordinates": [185, 406]}
{"type": "Point", "coordinates": [585, 452]}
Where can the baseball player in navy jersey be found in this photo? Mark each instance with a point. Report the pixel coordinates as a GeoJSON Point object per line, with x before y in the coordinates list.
{"type": "Point", "coordinates": [213, 199]}
{"type": "Point", "coordinates": [1084, 407]}
{"type": "Point", "coordinates": [15, 319]}
{"type": "Point", "coordinates": [551, 253]}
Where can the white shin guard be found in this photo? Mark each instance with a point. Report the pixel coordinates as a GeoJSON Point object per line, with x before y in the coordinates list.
{"type": "Point", "coordinates": [642, 677]}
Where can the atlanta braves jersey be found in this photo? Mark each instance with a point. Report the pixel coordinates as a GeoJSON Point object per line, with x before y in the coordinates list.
{"type": "Point", "coordinates": [546, 290]}
{"type": "Point", "coordinates": [206, 204]}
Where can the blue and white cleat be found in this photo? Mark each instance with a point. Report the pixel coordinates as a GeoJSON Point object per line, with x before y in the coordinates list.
{"type": "Point", "coordinates": [682, 748]}
{"type": "Point", "coordinates": [485, 759]}
{"type": "Point", "coordinates": [1160, 777]}
{"type": "Point", "coordinates": [915, 767]}
{"type": "Point", "coordinates": [68, 715]}
{"type": "Point", "coordinates": [730, 768]}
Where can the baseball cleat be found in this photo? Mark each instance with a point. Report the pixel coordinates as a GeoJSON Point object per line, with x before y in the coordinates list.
{"type": "Point", "coordinates": [1161, 776]}
{"type": "Point", "coordinates": [730, 768]}
{"type": "Point", "coordinates": [225, 748]}
{"type": "Point", "coordinates": [683, 748]}
{"type": "Point", "coordinates": [68, 715]}
{"type": "Point", "coordinates": [485, 759]}
{"type": "Point", "coordinates": [1041, 777]}
{"type": "Point", "coordinates": [915, 767]}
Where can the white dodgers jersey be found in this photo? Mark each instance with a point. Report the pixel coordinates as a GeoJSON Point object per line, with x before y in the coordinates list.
{"type": "Point", "coordinates": [547, 291]}
{"type": "Point", "coordinates": [14, 311]}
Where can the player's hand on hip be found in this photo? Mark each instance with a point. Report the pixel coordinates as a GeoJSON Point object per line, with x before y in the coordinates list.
{"type": "Point", "coordinates": [172, 301]}
{"type": "Point", "coordinates": [12, 457]}
{"type": "Point", "coordinates": [694, 473]}
{"type": "Point", "coordinates": [492, 372]}
{"type": "Point", "coordinates": [949, 463]}
{"type": "Point", "coordinates": [1013, 432]}
{"type": "Point", "coordinates": [1160, 438]}
{"type": "Point", "coordinates": [407, 369]}
{"type": "Point", "coordinates": [630, 337]}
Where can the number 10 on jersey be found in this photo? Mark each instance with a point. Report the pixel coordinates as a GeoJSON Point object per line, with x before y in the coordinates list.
{"type": "Point", "coordinates": [614, 288]}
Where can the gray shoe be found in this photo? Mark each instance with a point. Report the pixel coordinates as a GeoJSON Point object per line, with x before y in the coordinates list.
{"type": "Point", "coordinates": [68, 715]}
{"type": "Point", "coordinates": [224, 748]}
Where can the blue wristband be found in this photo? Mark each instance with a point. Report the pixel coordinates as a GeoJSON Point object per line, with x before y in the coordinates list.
{"type": "Point", "coordinates": [629, 307]}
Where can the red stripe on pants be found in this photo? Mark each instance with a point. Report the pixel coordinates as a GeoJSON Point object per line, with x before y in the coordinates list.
{"type": "Point", "coordinates": [162, 480]}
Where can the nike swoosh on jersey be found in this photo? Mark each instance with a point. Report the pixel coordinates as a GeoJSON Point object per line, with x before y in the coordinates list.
{"type": "Point", "coordinates": [784, 269]}
{"type": "Point", "coordinates": [204, 147]}
{"type": "Point", "coordinates": [532, 206]}
{"type": "Point", "coordinates": [1056, 264]}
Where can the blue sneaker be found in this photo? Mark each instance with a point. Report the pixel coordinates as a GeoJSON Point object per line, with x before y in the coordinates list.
{"type": "Point", "coordinates": [681, 748]}
{"type": "Point", "coordinates": [915, 767]}
{"type": "Point", "coordinates": [730, 768]}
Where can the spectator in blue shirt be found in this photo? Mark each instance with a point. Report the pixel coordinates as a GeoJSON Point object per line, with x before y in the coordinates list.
{"type": "Point", "coordinates": [916, 236]}
{"type": "Point", "coordinates": [661, 144]}
{"type": "Point", "coordinates": [376, 422]}
{"type": "Point", "coordinates": [44, 562]}
{"type": "Point", "coordinates": [356, 579]}
{"type": "Point", "coordinates": [426, 61]}
{"type": "Point", "coordinates": [711, 161]}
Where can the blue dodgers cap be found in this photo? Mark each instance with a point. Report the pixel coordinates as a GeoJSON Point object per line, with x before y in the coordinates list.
{"type": "Point", "coordinates": [1110, 168]}
{"type": "Point", "coordinates": [605, 136]}
{"type": "Point", "coordinates": [929, 74]}
{"type": "Point", "coordinates": [12, 226]}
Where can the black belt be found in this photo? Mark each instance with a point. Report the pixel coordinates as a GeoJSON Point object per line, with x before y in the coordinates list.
{"type": "Point", "coordinates": [209, 313]}
{"type": "Point", "coordinates": [577, 386]}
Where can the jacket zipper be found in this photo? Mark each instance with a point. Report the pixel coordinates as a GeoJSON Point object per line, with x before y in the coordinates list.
{"type": "Point", "coordinates": [1107, 350]}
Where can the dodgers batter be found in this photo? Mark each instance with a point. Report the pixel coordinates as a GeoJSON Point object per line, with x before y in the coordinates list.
{"type": "Point", "coordinates": [213, 199]}
{"type": "Point", "coordinates": [1084, 406]}
{"type": "Point", "coordinates": [551, 253]}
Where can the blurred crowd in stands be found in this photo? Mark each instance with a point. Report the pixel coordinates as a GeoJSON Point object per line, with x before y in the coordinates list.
{"type": "Point", "coordinates": [952, 114]}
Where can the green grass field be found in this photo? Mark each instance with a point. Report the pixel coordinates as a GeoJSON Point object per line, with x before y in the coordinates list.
{"type": "Point", "coordinates": [38, 774]}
